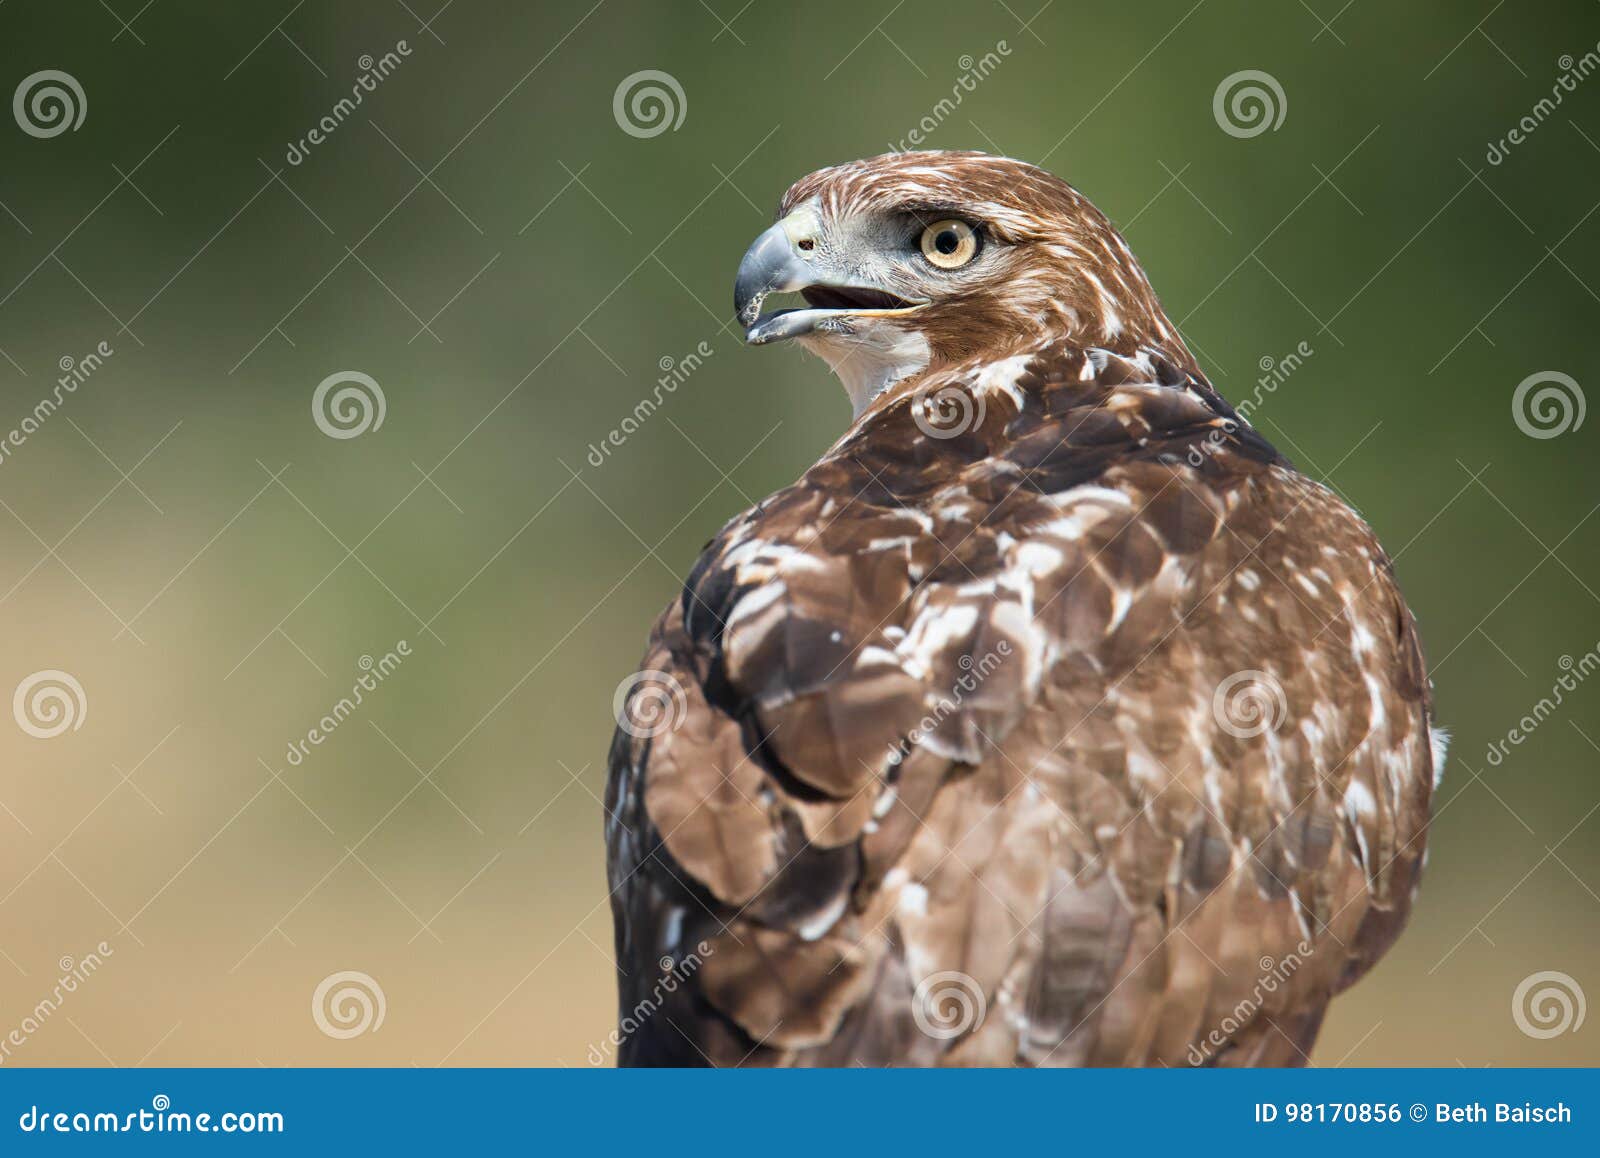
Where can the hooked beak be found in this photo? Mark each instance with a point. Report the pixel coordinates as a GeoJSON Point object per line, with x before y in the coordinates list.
{"type": "Point", "coordinates": [777, 263]}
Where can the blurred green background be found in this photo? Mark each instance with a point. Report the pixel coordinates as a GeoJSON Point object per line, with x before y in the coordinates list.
{"type": "Point", "coordinates": [485, 241]}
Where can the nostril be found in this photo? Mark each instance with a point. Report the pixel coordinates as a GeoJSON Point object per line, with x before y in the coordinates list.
{"type": "Point", "coordinates": [806, 244]}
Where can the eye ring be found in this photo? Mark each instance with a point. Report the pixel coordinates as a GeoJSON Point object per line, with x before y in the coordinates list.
{"type": "Point", "coordinates": [949, 244]}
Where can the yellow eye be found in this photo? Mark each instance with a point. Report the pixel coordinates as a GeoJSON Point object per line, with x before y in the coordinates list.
{"type": "Point", "coordinates": [949, 244]}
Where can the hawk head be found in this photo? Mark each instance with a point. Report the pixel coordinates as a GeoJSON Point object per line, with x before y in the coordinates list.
{"type": "Point", "coordinates": [913, 260]}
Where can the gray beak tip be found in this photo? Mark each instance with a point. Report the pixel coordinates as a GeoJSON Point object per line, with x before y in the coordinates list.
{"type": "Point", "coordinates": [769, 266]}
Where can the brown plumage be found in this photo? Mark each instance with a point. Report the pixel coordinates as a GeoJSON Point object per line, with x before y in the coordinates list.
{"type": "Point", "coordinates": [1052, 718]}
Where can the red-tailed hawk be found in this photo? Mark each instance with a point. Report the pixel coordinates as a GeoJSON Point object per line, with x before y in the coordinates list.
{"type": "Point", "coordinates": [1051, 718]}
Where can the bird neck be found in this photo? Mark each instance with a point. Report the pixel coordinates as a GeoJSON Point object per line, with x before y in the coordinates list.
{"type": "Point", "coordinates": [869, 362]}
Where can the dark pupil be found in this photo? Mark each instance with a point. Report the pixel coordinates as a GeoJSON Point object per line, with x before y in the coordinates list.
{"type": "Point", "coordinates": [947, 242]}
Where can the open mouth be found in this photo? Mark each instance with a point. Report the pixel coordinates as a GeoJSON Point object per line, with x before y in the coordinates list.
{"type": "Point", "coordinates": [853, 298]}
{"type": "Point", "coordinates": [829, 309]}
